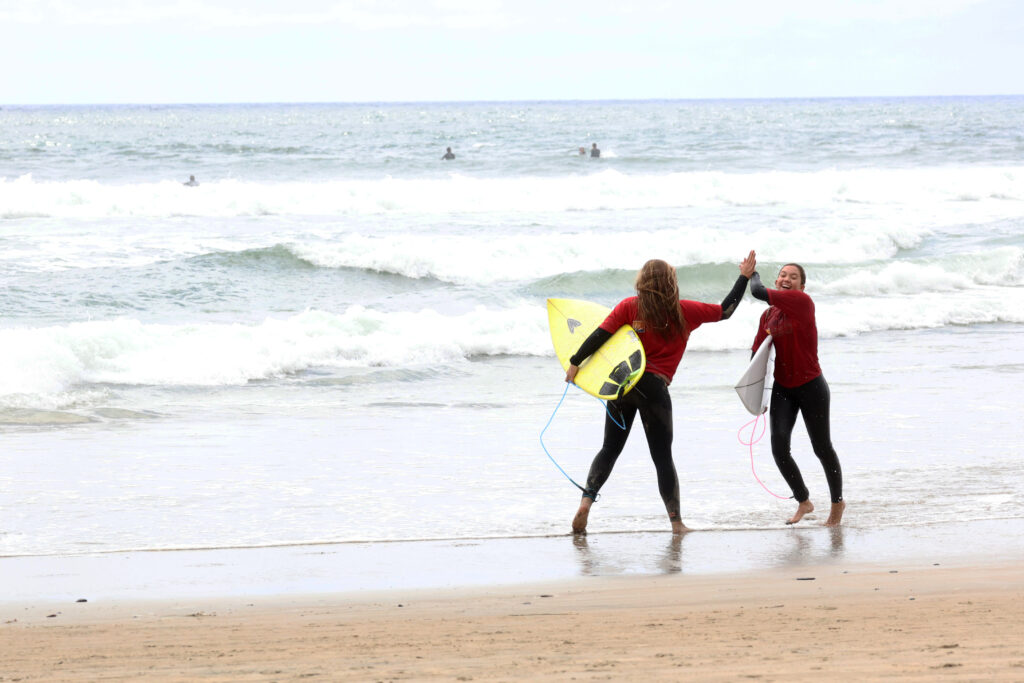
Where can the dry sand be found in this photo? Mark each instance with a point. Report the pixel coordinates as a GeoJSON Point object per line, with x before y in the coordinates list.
{"type": "Point", "coordinates": [910, 622]}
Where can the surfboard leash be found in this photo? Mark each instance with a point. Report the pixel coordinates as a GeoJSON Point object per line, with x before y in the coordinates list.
{"type": "Point", "coordinates": [551, 419]}
{"type": "Point", "coordinates": [750, 444]}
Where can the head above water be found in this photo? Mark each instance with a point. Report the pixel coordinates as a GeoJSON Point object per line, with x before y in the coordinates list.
{"type": "Point", "coordinates": [657, 292]}
{"type": "Point", "coordinates": [791, 276]}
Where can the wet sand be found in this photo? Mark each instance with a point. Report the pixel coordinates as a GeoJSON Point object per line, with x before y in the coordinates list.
{"type": "Point", "coordinates": [352, 568]}
{"type": "Point", "coordinates": [807, 603]}
{"type": "Point", "coordinates": [815, 622]}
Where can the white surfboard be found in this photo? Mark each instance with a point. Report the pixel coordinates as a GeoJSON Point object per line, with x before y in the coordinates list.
{"type": "Point", "coordinates": [755, 386]}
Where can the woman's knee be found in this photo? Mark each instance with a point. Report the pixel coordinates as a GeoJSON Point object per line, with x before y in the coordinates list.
{"type": "Point", "coordinates": [781, 444]}
{"type": "Point", "coordinates": [609, 453]}
{"type": "Point", "coordinates": [827, 456]}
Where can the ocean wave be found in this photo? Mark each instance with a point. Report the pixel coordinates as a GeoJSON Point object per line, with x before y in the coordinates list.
{"type": "Point", "coordinates": [876, 259]}
{"type": "Point", "coordinates": [999, 267]}
{"type": "Point", "coordinates": [50, 367]}
{"type": "Point", "coordinates": [604, 190]}
{"type": "Point", "coordinates": [582, 284]}
{"type": "Point", "coordinates": [931, 310]}
{"type": "Point", "coordinates": [845, 263]}
{"type": "Point", "coordinates": [47, 366]}
{"type": "Point", "coordinates": [554, 257]}
{"type": "Point", "coordinates": [277, 256]}
{"type": "Point", "coordinates": [851, 316]}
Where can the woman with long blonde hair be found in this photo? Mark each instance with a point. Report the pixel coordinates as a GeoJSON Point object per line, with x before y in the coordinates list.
{"type": "Point", "coordinates": [664, 323]}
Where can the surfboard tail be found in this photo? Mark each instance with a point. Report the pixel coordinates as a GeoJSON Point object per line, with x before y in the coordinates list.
{"type": "Point", "coordinates": [611, 371]}
{"type": "Point", "coordinates": [754, 387]}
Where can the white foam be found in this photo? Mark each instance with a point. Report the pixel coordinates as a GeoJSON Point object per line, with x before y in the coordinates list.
{"type": "Point", "coordinates": [605, 189]}
{"type": "Point", "coordinates": [854, 315]}
{"type": "Point", "coordinates": [1001, 266]}
{"type": "Point", "coordinates": [50, 366]}
{"type": "Point", "coordinates": [44, 366]}
{"type": "Point", "coordinates": [463, 256]}
{"type": "Point", "coordinates": [927, 310]}
{"type": "Point", "coordinates": [521, 257]}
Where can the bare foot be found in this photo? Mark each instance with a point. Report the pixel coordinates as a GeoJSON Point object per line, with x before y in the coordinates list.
{"type": "Point", "coordinates": [835, 515]}
{"type": "Point", "coordinates": [802, 509]}
{"type": "Point", "coordinates": [678, 528]}
{"type": "Point", "coordinates": [579, 522]}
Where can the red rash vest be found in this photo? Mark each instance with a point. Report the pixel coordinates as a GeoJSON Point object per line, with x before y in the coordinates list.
{"type": "Point", "coordinates": [663, 355]}
{"type": "Point", "coordinates": [790, 321]}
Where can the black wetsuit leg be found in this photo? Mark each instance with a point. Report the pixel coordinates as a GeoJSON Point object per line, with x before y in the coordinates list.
{"type": "Point", "coordinates": [816, 406]}
{"type": "Point", "coordinates": [813, 399]}
{"type": "Point", "coordinates": [651, 399]}
{"type": "Point", "coordinates": [782, 418]}
{"type": "Point", "coordinates": [614, 441]}
{"type": "Point", "coordinates": [656, 415]}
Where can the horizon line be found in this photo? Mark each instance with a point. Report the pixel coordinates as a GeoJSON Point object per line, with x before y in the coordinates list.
{"type": "Point", "coordinates": [504, 101]}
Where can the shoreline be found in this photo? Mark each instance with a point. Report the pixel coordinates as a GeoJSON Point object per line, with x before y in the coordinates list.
{"type": "Point", "coordinates": [863, 622]}
{"type": "Point", "coordinates": [800, 603]}
{"type": "Point", "coordinates": [360, 568]}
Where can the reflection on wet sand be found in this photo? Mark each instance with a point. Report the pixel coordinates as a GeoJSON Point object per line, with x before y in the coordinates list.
{"type": "Point", "coordinates": [804, 550]}
{"type": "Point", "coordinates": [597, 563]}
{"type": "Point", "coordinates": [609, 554]}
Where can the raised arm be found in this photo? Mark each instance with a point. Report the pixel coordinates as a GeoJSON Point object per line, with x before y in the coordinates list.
{"type": "Point", "coordinates": [732, 299]}
{"type": "Point", "coordinates": [757, 289]}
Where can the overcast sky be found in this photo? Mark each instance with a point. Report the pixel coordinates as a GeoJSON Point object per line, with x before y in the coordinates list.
{"type": "Point", "coordinates": [112, 51]}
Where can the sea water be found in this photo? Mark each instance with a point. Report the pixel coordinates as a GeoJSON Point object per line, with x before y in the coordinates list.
{"type": "Point", "coordinates": [339, 337]}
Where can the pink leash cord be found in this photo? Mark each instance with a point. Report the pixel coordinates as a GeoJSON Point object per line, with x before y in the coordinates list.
{"type": "Point", "coordinates": [750, 444]}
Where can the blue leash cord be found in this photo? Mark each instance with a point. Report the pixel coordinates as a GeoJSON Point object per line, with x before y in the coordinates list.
{"type": "Point", "coordinates": [551, 419]}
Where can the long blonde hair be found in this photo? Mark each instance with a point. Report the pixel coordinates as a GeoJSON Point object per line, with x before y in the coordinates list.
{"type": "Point", "coordinates": [657, 292]}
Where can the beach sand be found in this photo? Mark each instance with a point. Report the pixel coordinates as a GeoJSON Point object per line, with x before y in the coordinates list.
{"type": "Point", "coordinates": [903, 619]}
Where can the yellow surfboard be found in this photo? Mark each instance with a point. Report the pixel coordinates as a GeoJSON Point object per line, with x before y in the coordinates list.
{"type": "Point", "coordinates": [615, 368]}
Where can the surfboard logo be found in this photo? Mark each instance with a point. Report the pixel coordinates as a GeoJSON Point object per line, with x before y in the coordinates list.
{"type": "Point", "coordinates": [573, 324]}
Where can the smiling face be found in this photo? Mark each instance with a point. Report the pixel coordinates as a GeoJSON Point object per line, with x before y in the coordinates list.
{"type": "Point", "coordinates": [790, 277]}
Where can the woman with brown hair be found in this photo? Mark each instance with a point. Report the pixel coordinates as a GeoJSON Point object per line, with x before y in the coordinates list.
{"type": "Point", "coordinates": [799, 386]}
{"type": "Point", "coordinates": [664, 324]}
